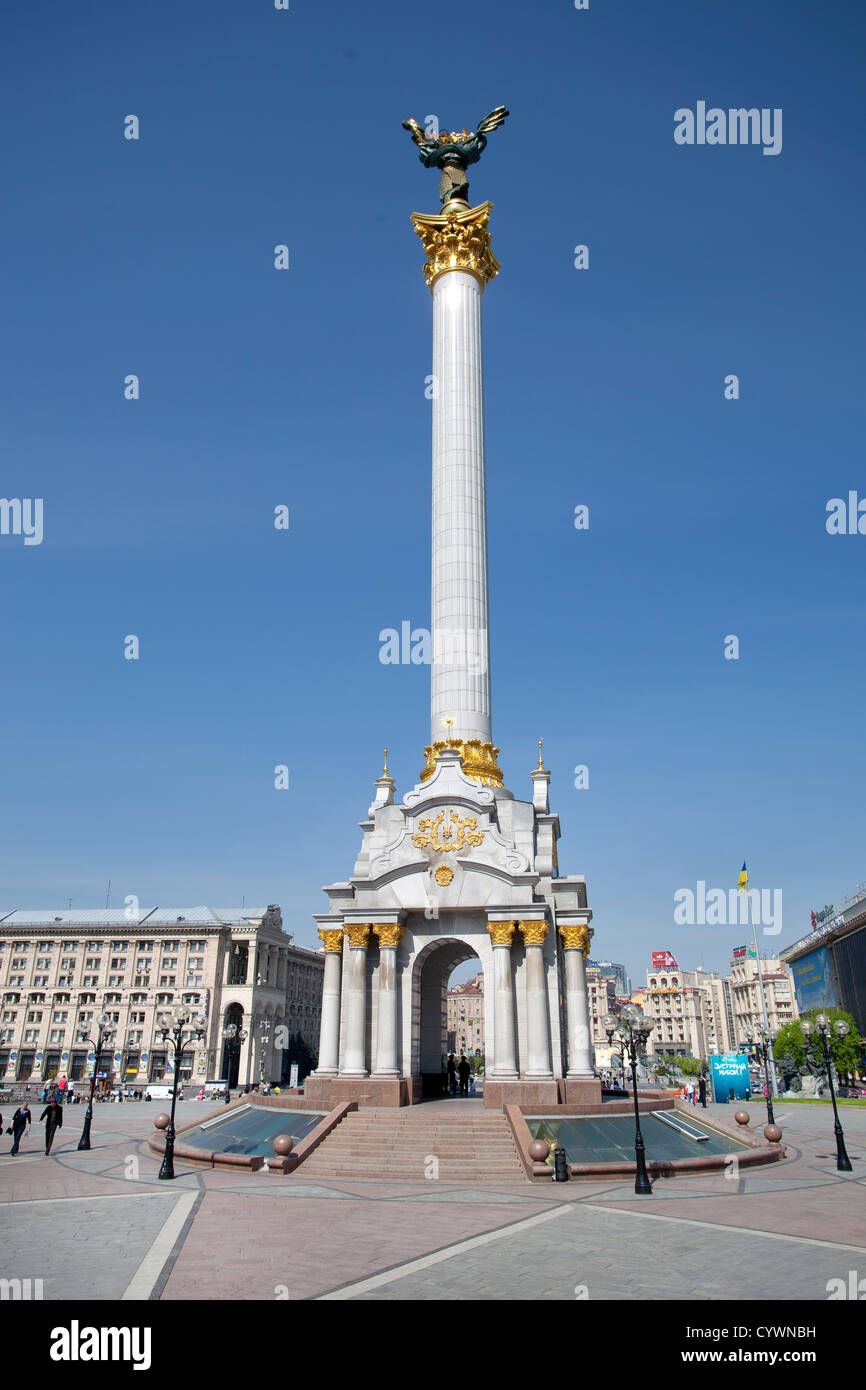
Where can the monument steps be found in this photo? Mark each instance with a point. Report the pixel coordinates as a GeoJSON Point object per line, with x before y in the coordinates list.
{"type": "Point", "coordinates": [400, 1144]}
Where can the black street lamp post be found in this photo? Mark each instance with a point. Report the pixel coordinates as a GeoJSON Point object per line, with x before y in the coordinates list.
{"type": "Point", "coordinates": [104, 1036]}
{"type": "Point", "coordinates": [818, 1036]}
{"type": "Point", "coordinates": [632, 1029]}
{"type": "Point", "coordinates": [761, 1039]}
{"type": "Point", "coordinates": [171, 1026]}
{"type": "Point", "coordinates": [235, 1037]}
{"type": "Point", "coordinates": [264, 1038]}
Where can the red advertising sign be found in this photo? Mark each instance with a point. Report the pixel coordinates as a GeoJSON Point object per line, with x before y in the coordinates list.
{"type": "Point", "coordinates": [663, 960]}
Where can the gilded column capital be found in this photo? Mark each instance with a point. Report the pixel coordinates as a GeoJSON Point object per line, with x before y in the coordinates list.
{"type": "Point", "coordinates": [457, 241]}
{"type": "Point", "coordinates": [358, 934]}
{"type": "Point", "coordinates": [389, 933]}
{"type": "Point", "coordinates": [332, 939]}
{"type": "Point", "coordinates": [534, 932]}
{"type": "Point", "coordinates": [501, 933]}
{"type": "Point", "coordinates": [576, 938]}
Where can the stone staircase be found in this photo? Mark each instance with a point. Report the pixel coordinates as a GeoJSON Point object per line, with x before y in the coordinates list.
{"type": "Point", "coordinates": [425, 1141]}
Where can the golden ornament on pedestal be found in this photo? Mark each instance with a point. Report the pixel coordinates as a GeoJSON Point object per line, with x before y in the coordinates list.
{"type": "Point", "coordinates": [478, 760]}
{"type": "Point", "coordinates": [448, 836]}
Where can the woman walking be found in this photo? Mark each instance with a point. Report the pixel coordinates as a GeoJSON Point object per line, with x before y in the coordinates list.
{"type": "Point", "coordinates": [21, 1120]}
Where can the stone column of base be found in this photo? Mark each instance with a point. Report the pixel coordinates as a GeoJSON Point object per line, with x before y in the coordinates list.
{"type": "Point", "coordinates": [538, 1060]}
{"type": "Point", "coordinates": [576, 943]}
{"type": "Point", "coordinates": [504, 1065]}
{"type": "Point", "coordinates": [329, 1035]}
{"type": "Point", "coordinates": [355, 1051]}
{"type": "Point", "coordinates": [386, 1031]}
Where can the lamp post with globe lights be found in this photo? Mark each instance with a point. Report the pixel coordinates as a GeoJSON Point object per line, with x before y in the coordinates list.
{"type": "Point", "coordinates": [818, 1035]}
{"type": "Point", "coordinates": [762, 1039]}
{"type": "Point", "coordinates": [235, 1037]}
{"type": "Point", "coordinates": [104, 1037]}
{"type": "Point", "coordinates": [171, 1027]}
{"type": "Point", "coordinates": [631, 1030]}
{"type": "Point", "coordinates": [264, 1038]}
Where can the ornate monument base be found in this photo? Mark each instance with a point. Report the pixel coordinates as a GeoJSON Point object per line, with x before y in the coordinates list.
{"type": "Point", "coordinates": [459, 870]}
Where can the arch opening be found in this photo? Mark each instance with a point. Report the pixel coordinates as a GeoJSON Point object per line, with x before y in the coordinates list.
{"type": "Point", "coordinates": [434, 967]}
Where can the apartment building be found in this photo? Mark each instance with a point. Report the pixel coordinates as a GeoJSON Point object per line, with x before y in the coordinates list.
{"type": "Point", "coordinates": [61, 971]}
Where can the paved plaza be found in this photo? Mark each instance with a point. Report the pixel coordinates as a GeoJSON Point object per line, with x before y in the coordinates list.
{"type": "Point", "coordinates": [99, 1225]}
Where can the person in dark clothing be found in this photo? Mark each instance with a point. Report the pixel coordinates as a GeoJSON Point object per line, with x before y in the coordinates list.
{"type": "Point", "coordinates": [21, 1120]}
{"type": "Point", "coordinates": [464, 1070]}
{"type": "Point", "coordinates": [452, 1074]}
{"type": "Point", "coordinates": [53, 1117]}
{"type": "Point", "coordinates": [702, 1091]}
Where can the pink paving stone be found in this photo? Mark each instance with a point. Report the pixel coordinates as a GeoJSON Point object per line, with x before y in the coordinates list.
{"type": "Point", "coordinates": [312, 1245]}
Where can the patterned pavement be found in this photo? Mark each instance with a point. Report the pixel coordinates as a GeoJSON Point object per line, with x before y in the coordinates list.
{"type": "Point", "coordinates": [100, 1226]}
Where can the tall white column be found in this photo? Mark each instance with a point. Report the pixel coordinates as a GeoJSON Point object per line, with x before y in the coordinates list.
{"type": "Point", "coordinates": [575, 939]}
{"type": "Point", "coordinates": [355, 1053]}
{"type": "Point", "coordinates": [460, 674]}
{"type": "Point", "coordinates": [504, 1064]}
{"type": "Point", "coordinates": [386, 1031]}
{"type": "Point", "coordinates": [329, 1035]}
{"type": "Point", "coordinates": [538, 1030]}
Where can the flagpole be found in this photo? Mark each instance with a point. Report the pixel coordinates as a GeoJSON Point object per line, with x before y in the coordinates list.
{"type": "Point", "coordinates": [771, 1078]}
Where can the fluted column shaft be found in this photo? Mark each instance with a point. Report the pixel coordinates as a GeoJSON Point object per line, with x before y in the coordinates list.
{"type": "Point", "coordinates": [386, 1032]}
{"type": "Point", "coordinates": [576, 943]}
{"type": "Point", "coordinates": [538, 1029]}
{"type": "Point", "coordinates": [355, 1051]}
{"type": "Point", "coordinates": [460, 674]}
{"type": "Point", "coordinates": [329, 1034]}
{"type": "Point", "coordinates": [504, 1056]}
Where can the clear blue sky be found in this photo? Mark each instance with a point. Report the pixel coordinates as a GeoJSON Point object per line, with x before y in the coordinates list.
{"type": "Point", "coordinates": [306, 388]}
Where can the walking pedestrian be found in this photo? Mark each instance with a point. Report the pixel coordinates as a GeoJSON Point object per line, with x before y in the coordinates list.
{"type": "Point", "coordinates": [452, 1074]}
{"type": "Point", "coordinates": [702, 1090]}
{"type": "Point", "coordinates": [21, 1120]}
{"type": "Point", "coordinates": [53, 1117]}
{"type": "Point", "coordinates": [465, 1070]}
{"type": "Point", "coordinates": [690, 1092]}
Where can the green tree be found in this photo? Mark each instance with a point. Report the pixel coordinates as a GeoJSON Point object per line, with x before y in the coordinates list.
{"type": "Point", "coordinates": [688, 1066]}
{"type": "Point", "coordinates": [846, 1052]}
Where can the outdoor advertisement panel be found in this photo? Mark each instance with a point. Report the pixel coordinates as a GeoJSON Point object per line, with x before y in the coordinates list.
{"type": "Point", "coordinates": [729, 1072]}
{"type": "Point", "coordinates": [813, 984]}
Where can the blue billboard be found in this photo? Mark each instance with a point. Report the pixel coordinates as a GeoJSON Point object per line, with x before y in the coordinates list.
{"type": "Point", "coordinates": [813, 983]}
{"type": "Point", "coordinates": [730, 1073]}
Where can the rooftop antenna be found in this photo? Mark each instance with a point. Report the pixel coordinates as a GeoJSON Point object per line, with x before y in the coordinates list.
{"type": "Point", "coordinates": [108, 893]}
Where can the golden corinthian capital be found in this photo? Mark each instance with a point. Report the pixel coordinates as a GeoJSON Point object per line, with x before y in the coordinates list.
{"type": "Point", "coordinates": [534, 933]}
{"type": "Point", "coordinates": [389, 933]}
{"type": "Point", "coordinates": [501, 933]}
{"type": "Point", "coordinates": [332, 938]}
{"type": "Point", "coordinates": [576, 938]}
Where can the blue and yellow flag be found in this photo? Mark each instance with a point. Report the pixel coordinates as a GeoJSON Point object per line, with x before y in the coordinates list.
{"type": "Point", "coordinates": [743, 879]}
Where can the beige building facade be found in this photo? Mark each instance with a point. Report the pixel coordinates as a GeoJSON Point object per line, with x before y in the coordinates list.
{"type": "Point", "coordinates": [688, 1007]}
{"type": "Point", "coordinates": [465, 1017]}
{"type": "Point", "coordinates": [744, 989]}
{"type": "Point", "coordinates": [60, 971]}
